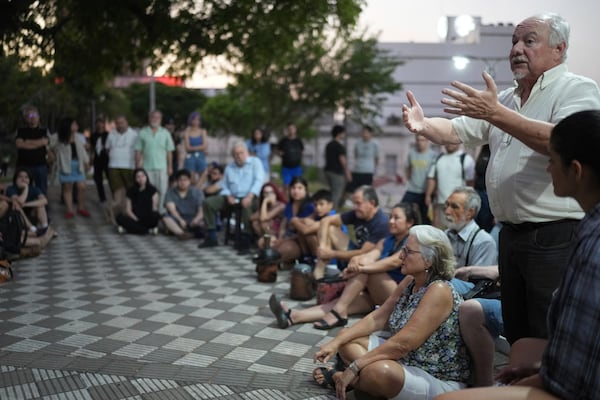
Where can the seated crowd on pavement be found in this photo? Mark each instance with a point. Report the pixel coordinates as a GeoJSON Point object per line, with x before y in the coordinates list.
{"type": "Point", "coordinates": [425, 278]}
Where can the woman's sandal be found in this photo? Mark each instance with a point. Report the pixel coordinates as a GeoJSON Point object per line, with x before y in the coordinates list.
{"type": "Point", "coordinates": [323, 325]}
{"type": "Point", "coordinates": [283, 317]}
{"type": "Point", "coordinates": [327, 375]}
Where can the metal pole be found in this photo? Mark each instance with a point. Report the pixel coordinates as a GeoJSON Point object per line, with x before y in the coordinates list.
{"type": "Point", "coordinates": [152, 93]}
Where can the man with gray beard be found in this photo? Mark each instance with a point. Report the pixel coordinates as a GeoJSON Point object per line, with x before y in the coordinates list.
{"type": "Point", "coordinates": [537, 226]}
{"type": "Point", "coordinates": [154, 152]}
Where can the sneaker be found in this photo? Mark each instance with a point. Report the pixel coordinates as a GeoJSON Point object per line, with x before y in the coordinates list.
{"type": "Point", "coordinates": [120, 229]}
{"type": "Point", "coordinates": [153, 231]}
{"type": "Point", "coordinates": [84, 213]}
{"type": "Point", "coordinates": [69, 215]}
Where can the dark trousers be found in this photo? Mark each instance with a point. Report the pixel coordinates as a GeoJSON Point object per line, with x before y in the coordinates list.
{"type": "Point", "coordinates": [141, 226]}
{"type": "Point", "coordinates": [101, 171]}
{"type": "Point", "coordinates": [531, 259]}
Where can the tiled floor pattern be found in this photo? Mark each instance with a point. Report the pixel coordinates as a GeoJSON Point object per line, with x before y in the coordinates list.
{"type": "Point", "coordinates": [105, 316]}
{"type": "Point", "coordinates": [98, 311]}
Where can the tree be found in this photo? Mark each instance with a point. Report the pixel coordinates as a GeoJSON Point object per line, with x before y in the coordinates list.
{"type": "Point", "coordinates": [317, 76]}
{"type": "Point", "coordinates": [174, 102]}
{"type": "Point", "coordinates": [89, 42]}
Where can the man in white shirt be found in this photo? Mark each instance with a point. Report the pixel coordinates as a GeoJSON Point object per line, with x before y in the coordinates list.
{"type": "Point", "coordinates": [538, 226]}
{"type": "Point", "coordinates": [120, 145]}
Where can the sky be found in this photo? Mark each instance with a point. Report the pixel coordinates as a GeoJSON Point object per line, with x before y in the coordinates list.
{"type": "Point", "coordinates": [416, 21]}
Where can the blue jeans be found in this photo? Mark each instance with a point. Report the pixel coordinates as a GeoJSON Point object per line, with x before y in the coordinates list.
{"type": "Point", "coordinates": [39, 173]}
{"type": "Point", "coordinates": [287, 174]}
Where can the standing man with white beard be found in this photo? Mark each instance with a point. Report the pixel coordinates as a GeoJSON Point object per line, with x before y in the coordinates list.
{"type": "Point", "coordinates": [538, 227]}
{"type": "Point", "coordinates": [154, 153]}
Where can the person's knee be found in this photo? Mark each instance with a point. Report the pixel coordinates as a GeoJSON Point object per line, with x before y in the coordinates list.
{"type": "Point", "coordinates": [382, 378]}
{"type": "Point", "coordinates": [470, 315]}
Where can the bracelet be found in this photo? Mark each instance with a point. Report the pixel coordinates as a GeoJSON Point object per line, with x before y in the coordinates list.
{"type": "Point", "coordinates": [354, 368]}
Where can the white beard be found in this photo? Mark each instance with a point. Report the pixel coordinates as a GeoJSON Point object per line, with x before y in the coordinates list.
{"type": "Point", "coordinates": [456, 225]}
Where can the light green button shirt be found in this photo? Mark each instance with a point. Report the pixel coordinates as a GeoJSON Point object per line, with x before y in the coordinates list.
{"type": "Point", "coordinates": [154, 147]}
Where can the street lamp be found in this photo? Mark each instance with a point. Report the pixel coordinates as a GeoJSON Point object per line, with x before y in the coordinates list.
{"type": "Point", "coordinates": [461, 62]}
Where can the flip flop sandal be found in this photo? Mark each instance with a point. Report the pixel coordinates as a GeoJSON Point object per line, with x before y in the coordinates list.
{"type": "Point", "coordinates": [283, 317]}
{"type": "Point", "coordinates": [327, 373]}
{"type": "Point", "coordinates": [323, 325]}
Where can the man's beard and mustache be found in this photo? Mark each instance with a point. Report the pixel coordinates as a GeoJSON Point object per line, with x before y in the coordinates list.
{"type": "Point", "coordinates": [455, 225]}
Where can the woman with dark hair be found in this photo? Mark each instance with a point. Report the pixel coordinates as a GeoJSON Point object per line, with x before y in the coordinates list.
{"type": "Point", "coordinates": [259, 146]}
{"type": "Point", "coordinates": [299, 205]}
{"type": "Point", "coordinates": [371, 279]}
{"type": "Point", "coordinates": [566, 365]}
{"type": "Point", "coordinates": [141, 207]}
{"type": "Point", "coordinates": [73, 161]}
{"type": "Point", "coordinates": [268, 218]}
{"type": "Point", "coordinates": [195, 142]}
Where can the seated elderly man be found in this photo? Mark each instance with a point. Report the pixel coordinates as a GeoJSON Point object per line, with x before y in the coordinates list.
{"type": "Point", "coordinates": [184, 207]}
{"type": "Point", "coordinates": [476, 258]}
{"type": "Point", "coordinates": [241, 184]}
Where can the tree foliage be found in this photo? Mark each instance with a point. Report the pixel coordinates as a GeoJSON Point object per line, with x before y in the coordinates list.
{"type": "Point", "coordinates": [317, 76]}
{"type": "Point", "coordinates": [88, 42]}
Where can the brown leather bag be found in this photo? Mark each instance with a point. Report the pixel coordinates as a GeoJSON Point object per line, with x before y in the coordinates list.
{"type": "Point", "coordinates": [266, 272]}
{"type": "Point", "coordinates": [302, 284]}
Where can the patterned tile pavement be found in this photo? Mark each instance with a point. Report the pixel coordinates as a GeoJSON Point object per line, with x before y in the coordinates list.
{"type": "Point", "coordinates": [105, 316]}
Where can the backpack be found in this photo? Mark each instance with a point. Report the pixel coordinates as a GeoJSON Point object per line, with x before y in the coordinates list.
{"type": "Point", "coordinates": [13, 232]}
{"type": "Point", "coordinates": [462, 163]}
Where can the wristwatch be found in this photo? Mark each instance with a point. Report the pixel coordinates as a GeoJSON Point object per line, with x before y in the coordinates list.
{"type": "Point", "coordinates": [354, 368]}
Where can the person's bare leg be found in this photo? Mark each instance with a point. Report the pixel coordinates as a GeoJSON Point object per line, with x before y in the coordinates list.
{"type": "Point", "coordinates": [361, 304]}
{"type": "Point", "coordinates": [498, 393]}
{"type": "Point", "coordinates": [380, 287]}
{"type": "Point", "coordinates": [353, 288]}
{"type": "Point", "coordinates": [81, 192]}
{"type": "Point", "coordinates": [478, 340]}
{"type": "Point", "coordinates": [289, 250]}
{"type": "Point", "coordinates": [172, 226]}
{"type": "Point", "coordinates": [42, 216]}
{"type": "Point", "coordinates": [68, 196]}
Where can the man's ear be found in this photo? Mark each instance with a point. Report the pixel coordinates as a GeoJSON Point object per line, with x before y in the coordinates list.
{"type": "Point", "coordinates": [577, 170]}
{"type": "Point", "coordinates": [470, 213]}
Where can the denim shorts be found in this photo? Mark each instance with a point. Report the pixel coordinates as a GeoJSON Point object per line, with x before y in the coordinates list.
{"type": "Point", "coordinates": [492, 309]}
{"type": "Point", "coordinates": [195, 162]}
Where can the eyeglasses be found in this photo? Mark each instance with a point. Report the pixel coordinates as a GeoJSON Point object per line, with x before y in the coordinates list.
{"type": "Point", "coordinates": [406, 251]}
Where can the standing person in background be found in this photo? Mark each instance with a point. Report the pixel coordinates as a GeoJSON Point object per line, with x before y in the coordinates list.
{"type": "Point", "coordinates": [537, 226]}
{"type": "Point", "coordinates": [72, 161]}
{"type": "Point", "coordinates": [194, 140]}
{"type": "Point", "coordinates": [32, 143]}
{"type": "Point", "coordinates": [336, 164]}
{"type": "Point", "coordinates": [290, 149]}
{"type": "Point", "coordinates": [99, 158]}
{"type": "Point", "coordinates": [179, 153]}
{"type": "Point", "coordinates": [366, 159]}
{"type": "Point", "coordinates": [484, 219]}
{"type": "Point", "coordinates": [154, 153]}
{"type": "Point", "coordinates": [450, 170]}
{"type": "Point", "coordinates": [259, 146]}
{"type": "Point", "coordinates": [121, 162]}
{"type": "Point", "coordinates": [420, 160]}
